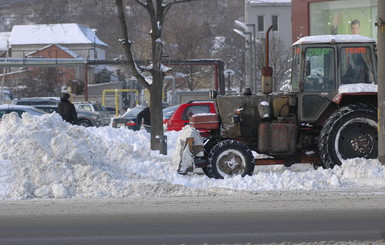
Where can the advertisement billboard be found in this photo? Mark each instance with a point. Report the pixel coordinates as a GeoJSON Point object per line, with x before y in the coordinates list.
{"type": "Point", "coordinates": [344, 17]}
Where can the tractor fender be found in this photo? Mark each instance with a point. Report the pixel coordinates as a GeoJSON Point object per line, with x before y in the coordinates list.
{"type": "Point", "coordinates": [343, 99]}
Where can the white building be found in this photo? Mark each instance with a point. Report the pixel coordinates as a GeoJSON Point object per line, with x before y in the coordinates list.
{"type": "Point", "coordinates": [264, 13]}
{"type": "Point", "coordinates": [260, 15]}
{"type": "Point", "coordinates": [81, 39]}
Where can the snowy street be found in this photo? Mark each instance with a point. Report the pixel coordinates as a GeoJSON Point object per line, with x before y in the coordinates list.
{"type": "Point", "coordinates": [72, 172]}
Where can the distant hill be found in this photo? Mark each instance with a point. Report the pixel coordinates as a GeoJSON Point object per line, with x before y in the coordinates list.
{"type": "Point", "coordinates": [16, 1]}
{"type": "Point", "coordinates": [216, 15]}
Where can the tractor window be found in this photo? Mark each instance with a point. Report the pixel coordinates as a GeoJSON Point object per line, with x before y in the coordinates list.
{"type": "Point", "coordinates": [356, 65]}
{"type": "Point", "coordinates": [319, 69]}
{"type": "Point", "coordinates": [295, 71]}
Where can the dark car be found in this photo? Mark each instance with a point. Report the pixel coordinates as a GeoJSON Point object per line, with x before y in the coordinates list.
{"type": "Point", "coordinates": [112, 111]}
{"type": "Point", "coordinates": [19, 109]}
{"type": "Point", "coordinates": [128, 119]}
{"type": "Point", "coordinates": [85, 118]}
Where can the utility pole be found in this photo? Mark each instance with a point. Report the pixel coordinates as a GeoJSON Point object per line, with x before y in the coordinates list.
{"type": "Point", "coordinates": [381, 79]}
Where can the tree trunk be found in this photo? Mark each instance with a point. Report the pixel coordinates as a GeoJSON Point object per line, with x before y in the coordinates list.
{"type": "Point", "coordinates": [156, 112]}
{"type": "Point", "coordinates": [157, 11]}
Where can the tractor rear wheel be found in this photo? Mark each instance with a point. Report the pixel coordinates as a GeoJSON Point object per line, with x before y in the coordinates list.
{"type": "Point", "coordinates": [231, 158]}
{"type": "Point", "coordinates": [350, 132]}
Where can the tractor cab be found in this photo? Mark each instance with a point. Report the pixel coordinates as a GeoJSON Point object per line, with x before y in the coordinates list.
{"type": "Point", "coordinates": [326, 67]}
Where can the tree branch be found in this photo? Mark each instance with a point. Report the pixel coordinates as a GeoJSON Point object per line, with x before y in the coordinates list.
{"type": "Point", "coordinates": [168, 5]}
{"type": "Point", "coordinates": [127, 45]}
{"type": "Point", "coordinates": [141, 3]}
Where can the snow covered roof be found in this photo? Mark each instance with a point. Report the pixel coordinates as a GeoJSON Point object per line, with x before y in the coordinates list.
{"type": "Point", "coordinates": [334, 39]}
{"type": "Point", "coordinates": [70, 33]}
{"type": "Point", "coordinates": [270, 2]}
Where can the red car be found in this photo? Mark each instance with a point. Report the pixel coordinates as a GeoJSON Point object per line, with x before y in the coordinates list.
{"type": "Point", "coordinates": [181, 116]}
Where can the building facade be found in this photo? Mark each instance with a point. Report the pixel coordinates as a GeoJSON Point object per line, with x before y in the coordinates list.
{"type": "Point", "coordinates": [260, 15]}
{"type": "Point", "coordinates": [81, 39]}
{"type": "Point", "coordinates": [265, 13]}
{"type": "Point", "coordinates": [63, 43]}
{"type": "Point", "coordinates": [320, 17]}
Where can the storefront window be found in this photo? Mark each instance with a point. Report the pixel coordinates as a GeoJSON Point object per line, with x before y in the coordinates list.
{"type": "Point", "coordinates": [344, 17]}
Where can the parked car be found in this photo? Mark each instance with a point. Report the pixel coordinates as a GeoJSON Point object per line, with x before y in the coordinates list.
{"type": "Point", "coordinates": [95, 107]}
{"type": "Point", "coordinates": [182, 114]}
{"type": "Point", "coordinates": [6, 94]}
{"type": "Point", "coordinates": [168, 112]}
{"type": "Point", "coordinates": [36, 101]}
{"type": "Point", "coordinates": [111, 110]}
{"type": "Point", "coordinates": [128, 119]}
{"type": "Point", "coordinates": [19, 109]}
{"type": "Point", "coordinates": [85, 118]}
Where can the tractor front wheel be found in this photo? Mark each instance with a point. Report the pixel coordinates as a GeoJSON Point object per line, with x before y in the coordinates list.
{"type": "Point", "coordinates": [231, 158]}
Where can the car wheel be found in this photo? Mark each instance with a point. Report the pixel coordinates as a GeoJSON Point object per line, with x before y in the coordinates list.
{"type": "Point", "coordinates": [84, 123]}
{"type": "Point", "coordinates": [231, 158]}
{"type": "Point", "coordinates": [351, 132]}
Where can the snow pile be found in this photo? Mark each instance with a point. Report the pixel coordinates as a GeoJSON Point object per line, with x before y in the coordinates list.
{"type": "Point", "coordinates": [44, 157]}
{"type": "Point", "coordinates": [182, 157]}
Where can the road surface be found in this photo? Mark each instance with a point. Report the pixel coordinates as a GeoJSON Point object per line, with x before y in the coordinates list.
{"type": "Point", "coordinates": [269, 217]}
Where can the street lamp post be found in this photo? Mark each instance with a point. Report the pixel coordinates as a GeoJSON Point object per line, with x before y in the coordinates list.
{"type": "Point", "coordinates": [381, 80]}
{"type": "Point", "coordinates": [253, 60]}
{"type": "Point", "coordinates": [243, 34]}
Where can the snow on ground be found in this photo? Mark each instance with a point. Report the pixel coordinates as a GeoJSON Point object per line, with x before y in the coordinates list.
{"type": "Point", "coordinates": [44, 157]}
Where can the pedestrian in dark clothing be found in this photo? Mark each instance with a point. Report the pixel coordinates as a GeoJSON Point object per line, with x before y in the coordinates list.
{"type": "Point", "coordinates": [144, 115]}
{"type": "Point", "coordinates": [67, 110]}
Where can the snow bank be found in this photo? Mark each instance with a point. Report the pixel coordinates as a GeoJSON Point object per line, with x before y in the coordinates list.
{"type": "Point", "coordinates": [44, 157]}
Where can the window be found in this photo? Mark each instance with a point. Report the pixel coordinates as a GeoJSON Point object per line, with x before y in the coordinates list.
{"type": "Point", "coordinates": [195, 109]}
{"type": "Point", "coordinates": [2, 112]}
{"type": "Point", "coordinates": [336, 17]}
{"type": "Point", "coordinates": [274, 22]}
{"type": "Point", "coordinates": [356, 65]}
{"type": "Point", "coordinates": [85, 107]}
{"type": "Point", "coordinates": [295, 74]}
{"type": "Point", "coordinates": [261, 23]}
{"type": "Point", "coordinates": [319, 69]}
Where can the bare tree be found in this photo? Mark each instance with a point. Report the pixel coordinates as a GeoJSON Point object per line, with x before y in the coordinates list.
{"type": "Point", "coordinates": [157, 10]}
{"type": "Point", "coordinates": [279, 59]}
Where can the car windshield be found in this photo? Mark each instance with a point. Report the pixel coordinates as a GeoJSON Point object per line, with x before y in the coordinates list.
{"type": "Point", "coordinates": [133, 112]}
{"type": "Point", "coordinates": [35, 111]}
{"type": "Point", "coordinates": [167, 112]}
{"type": "Point", "coordinates": [98, 107]}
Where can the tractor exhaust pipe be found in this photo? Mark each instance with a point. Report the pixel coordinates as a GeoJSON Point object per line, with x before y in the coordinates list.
{"type": "Point", "coordinates": [267, 72]}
